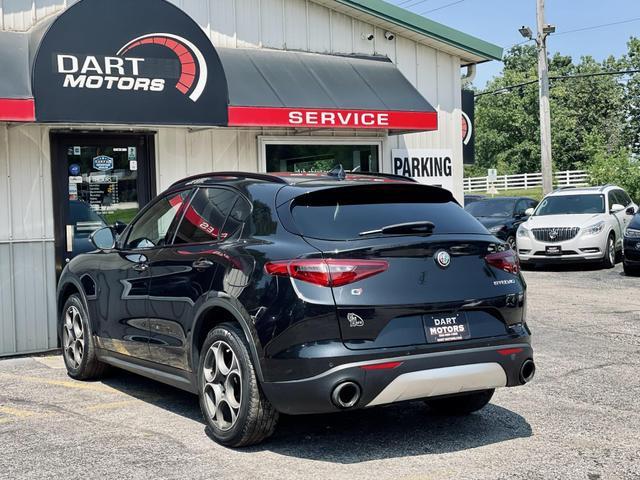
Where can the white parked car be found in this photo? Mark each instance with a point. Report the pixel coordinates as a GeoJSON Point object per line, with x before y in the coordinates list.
{"type": "Point", "coordinates": [576, 224]}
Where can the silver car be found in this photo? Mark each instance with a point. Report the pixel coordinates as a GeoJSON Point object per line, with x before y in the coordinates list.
{"type": "Point", "coordinates": [576, 224]}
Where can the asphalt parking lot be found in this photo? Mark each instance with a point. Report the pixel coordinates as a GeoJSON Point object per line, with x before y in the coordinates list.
{"type": "Point", "coordinates": [579, 419]}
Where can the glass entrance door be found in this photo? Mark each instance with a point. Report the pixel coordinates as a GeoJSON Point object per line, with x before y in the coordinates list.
{"type": "Point", "coordinates": [99, 180]}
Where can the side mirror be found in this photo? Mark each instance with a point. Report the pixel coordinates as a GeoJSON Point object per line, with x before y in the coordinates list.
{"type": "Point", "coordinates": [630, 210]}
{"type": "Point", "coordinates": [528, 212]}
{"type": "Point", "coordinates": [616, 207]}
{"type": "Point", "coordinates": [119, 227]}
{"type": "Point", "coordinates": [103, 238]}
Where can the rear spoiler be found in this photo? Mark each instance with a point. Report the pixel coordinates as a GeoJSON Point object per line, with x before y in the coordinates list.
{"type": "Point", "coordinates": [405, 192]}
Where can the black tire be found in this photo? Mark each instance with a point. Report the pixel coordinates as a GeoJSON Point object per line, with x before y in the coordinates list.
{"type": "Point", "coordinates": [78, 350]}
{"type": "Point", "coordinates": [630, 271]}
{"type": "Point", "coordinates": [255, 418]}
{"type": "Point", "coordinates": [463, 404]}
{"type": "Point", "coordinates": [609, 260]}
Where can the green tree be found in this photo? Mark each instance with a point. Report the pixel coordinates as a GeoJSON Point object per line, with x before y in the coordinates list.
{"type": "Point", "coordinates": [584, 110]}
{"type": "Point", "coordinates": [617, 168]}
{"type": "Point", "coordinates": [631, 61]}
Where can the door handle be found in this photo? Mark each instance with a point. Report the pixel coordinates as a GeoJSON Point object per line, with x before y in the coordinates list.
{"type": "Point", "coordinates": [141, 267]}
{"type": "Point", "coordinates": [202, 263]}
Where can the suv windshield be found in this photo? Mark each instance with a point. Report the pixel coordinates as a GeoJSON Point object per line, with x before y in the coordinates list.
{"type": "Point", "coordinates": [345, 213]}
{"type": "Point", "coordinates": [571, 205]}
{"type": "Point", "coordinates": [498, 207]}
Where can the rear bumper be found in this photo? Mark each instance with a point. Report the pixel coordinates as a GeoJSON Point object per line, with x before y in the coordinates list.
{"type": "Point", "coordinates": [417, 376]}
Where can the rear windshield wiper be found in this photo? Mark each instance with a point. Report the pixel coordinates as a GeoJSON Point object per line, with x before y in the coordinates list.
{"type": "Point", "coordinates": [415, 228]}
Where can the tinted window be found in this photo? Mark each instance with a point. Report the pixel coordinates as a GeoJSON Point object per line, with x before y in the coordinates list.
{"type": "Point", "coordinates": [625, 197]}
{"type": "Point", "coordinates": [571, 204]}
{"type": "Point", "coordinates": [151, 228]}
{"type": "Point", "coordinates": [621, 197]}
{"type": "Point", "coordinates": [205, 216]}
{"type": "Point", "coordinates": [343, 213]}
{"type": "Point", "coordinates": [521, 206]}
{"type": "Point", "coordinates": [531, 204]}
{"type": "Point", "coordinates": [497, 207]}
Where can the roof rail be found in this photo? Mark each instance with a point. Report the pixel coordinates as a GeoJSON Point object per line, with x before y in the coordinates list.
{"type": "Point", "coordinates": [384, 175]}
{"type": "Point", "coordinates": [566, 187]}
{"type": "Point", "coordinates": [256, 176]}
{"type": "Point", "coordinates": [606, 185]}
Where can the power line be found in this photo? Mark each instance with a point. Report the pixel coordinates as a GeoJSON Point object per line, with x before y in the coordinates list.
{"type": "Point", "coordinates": [412, 3]}
{"type": "Point", "coordinates": [593, 27]}
{"type": "Point", "coordinates": [442, 7]}
{"type": "Point", "coordinates": [583, 29]}
{"type": "Point", "coordinates": [562, 77]}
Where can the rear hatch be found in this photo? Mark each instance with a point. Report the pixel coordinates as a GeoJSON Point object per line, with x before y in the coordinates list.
{"type": "Point", "coordinates": [422, 269]}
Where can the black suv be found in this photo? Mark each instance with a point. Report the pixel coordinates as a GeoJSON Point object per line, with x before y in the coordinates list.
{"type": "Point", "coordinates": [502, 215]}
{"type": "Point", "coordinates": [300, 294]}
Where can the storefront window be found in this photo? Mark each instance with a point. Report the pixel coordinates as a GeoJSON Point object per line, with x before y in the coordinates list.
{"type": "Point", "coordinates": [321, 157]}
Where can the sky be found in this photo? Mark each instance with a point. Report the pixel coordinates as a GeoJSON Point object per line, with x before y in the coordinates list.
{"type": "Point", "coordinates": [497, 21]}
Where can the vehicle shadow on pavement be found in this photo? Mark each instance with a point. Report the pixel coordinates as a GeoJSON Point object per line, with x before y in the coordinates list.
{"type": "Point", "coordinates": [155, 393]}
{"type": "Point", "coordinates": [399, 430]}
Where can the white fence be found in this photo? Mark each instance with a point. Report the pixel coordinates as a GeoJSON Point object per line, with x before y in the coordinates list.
{"type": "Point", "coordinates": [523, 181]}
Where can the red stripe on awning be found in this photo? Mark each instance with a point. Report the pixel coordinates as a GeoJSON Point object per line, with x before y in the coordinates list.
{"type": "Point", "coordinates": [17, 110]}
{"type": "Point", "coordinates": [331, 118]}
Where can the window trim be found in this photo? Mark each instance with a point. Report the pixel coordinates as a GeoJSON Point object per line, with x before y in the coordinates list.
{"type": "Point", "coordinates": [264, 140]}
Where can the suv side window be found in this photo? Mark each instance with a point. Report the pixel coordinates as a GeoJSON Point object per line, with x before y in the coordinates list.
{"type": "Point", "coordinates": [151, 229]}
{"type": "Point", "coordinates": [612, 198]}
{"type": "Point", "coordinates": [623, 198]}
{"type": "Point", "coordinates": [205, 217]}
{"type": "Point", "coordinates": [521, 206]}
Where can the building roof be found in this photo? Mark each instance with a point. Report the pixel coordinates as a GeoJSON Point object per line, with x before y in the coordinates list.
{"type": "Point", "coordinates": [409, 24]}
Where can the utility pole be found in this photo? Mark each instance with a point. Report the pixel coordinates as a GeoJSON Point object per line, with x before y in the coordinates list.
{"type": "Point", "coordinates": [545, 112]}
{"type": "Point", "coordinates": [544, 30]}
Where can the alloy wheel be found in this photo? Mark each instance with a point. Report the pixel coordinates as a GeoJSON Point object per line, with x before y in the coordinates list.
{"type": "Point", "coordinates": [73, 336]}
{"type": "Point", "coordinates": [612, 251]}
{"type": "Point", "coordinates": [222, 385]}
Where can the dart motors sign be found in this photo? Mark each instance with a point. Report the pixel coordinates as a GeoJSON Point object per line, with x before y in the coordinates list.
{"type": "Point", "coordinates": [122, 61]}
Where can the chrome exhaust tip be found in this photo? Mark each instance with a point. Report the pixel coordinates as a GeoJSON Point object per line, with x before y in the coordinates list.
{"type": "Point", "coordinates": [527, 371]}
{"type": "Point", "coordinates": [346, 394]}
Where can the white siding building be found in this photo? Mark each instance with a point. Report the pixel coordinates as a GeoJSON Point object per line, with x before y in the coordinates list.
{"type": "Point", "coordinates": [37, 232]}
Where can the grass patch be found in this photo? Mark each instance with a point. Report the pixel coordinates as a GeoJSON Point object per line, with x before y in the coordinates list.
{"type": "Point", "coordinates": [535, 193]}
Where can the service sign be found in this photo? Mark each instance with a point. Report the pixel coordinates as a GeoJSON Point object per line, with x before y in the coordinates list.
{"type": "Point", "coordinates": [332, 118]}
{"type": "Point", "coordinates": [123, 61]}
{"type": "Point", "coordinates": [427, 166]}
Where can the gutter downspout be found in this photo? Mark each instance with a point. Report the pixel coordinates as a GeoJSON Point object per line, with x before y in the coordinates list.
{"type": "Point", "coordinates": [468, 77]}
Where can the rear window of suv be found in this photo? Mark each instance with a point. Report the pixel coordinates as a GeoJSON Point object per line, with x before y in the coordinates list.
{"type": "Point", "coordinates": [343, 213]}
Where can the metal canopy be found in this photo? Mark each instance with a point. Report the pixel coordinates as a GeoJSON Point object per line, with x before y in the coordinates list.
{"type": "Point", "coordinates": [298, 89]}
{"type": "Point", "coordinates": [16, 101]}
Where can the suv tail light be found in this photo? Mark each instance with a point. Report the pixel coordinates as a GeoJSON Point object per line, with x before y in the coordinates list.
{"type": "Point", "coordinates": [327, 273]}
{"type": "Point", "coordinates": [506, 260]}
